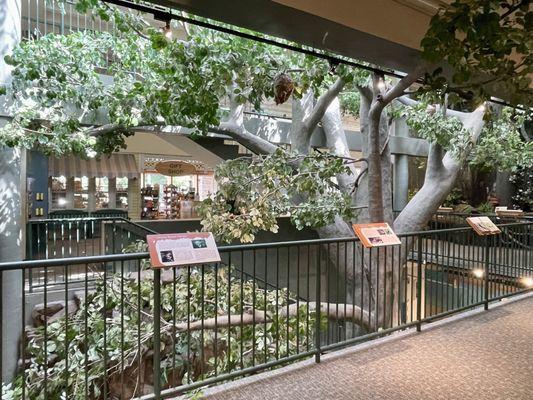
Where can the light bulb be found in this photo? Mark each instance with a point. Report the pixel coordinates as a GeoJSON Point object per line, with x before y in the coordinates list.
{"type": "Point", "coordinates": [527, 281]}
{"type": "Point", "coordinates": [478, 273]}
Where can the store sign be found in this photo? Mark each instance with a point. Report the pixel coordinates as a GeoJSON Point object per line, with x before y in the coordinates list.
{"type": "Point", "coordinates": [175, 168]}
{"type": "Point", "coordinates": [178, 249]}
{"type": "Point", "coordinates": [376, 235]}
{"type": "Point", "coordinates": [483, 226]}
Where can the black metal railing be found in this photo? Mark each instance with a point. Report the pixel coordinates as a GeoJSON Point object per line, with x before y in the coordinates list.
{"type": "Point", "coordinates": [264, 305]}
{"type": "Point", "coordinates": [452, 219]}
{"type": "Point", "coordinates": [76, 237]}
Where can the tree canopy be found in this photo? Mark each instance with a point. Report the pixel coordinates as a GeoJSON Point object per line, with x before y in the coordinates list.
{"type": "Point", "coordinates": [84, 92]}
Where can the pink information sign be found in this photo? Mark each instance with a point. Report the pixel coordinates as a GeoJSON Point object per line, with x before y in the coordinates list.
{"type": "Point", "coordinates": [376, 235]}
{"type": "Point", "coordinates": [176, 249]}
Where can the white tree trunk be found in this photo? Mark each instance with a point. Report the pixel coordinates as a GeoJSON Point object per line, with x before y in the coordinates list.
{"type": "Point", "coordinates": [441, 174]}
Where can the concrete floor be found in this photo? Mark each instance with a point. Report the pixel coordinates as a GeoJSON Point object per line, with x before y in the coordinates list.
{"type": "Point", "coordinates": [488, 355]}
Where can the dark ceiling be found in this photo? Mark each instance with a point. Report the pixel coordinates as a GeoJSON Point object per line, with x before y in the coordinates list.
{"type": "Point", "coordinates": [289, 23]}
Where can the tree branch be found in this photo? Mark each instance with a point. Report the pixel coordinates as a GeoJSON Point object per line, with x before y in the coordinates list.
{"type": "Point", "coordinates": [234, 127]}
{"type": "Point", "coordinates": [512, 9]}
{"type": "Point", "coordinates": [403, 84]}
{"type": "Point", "coordinates": [104, 129]}
{"type": "Point", "coordinates": [245, 138]}
{"type": "Point", "coordinates": [365, 92]}
{"type": "Point", "coordinates": [406, 101]}
{"type": "Point", "coordinates": [435, 156]}
{"type": "Point", "coordinates": [323, 103]}
{"type": "Point", "coordinates": [346, 312]}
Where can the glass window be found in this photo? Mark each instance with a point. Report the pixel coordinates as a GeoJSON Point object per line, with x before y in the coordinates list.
{"type": "Point", "coordinates": [58, 191]}
{"type": "Point", "coordinates": [102, 193]}
{"type": "Point", "coordinates": [81, 192]}
{"type": "Point", "coordinates": [151, 179]}
{"type": "Point", "coordinates": [122, 193]}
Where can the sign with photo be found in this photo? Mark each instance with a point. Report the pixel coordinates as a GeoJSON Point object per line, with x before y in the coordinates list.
{"type": "Point", "coordinates": [177, 249]}
{"type": "Point", "coordinates": [483, 226]}
{"type": "Point", "coordinates": [376, 235]}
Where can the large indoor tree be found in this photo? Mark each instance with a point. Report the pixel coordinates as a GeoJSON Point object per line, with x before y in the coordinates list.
{"type": "Point", "coordinates": [202, 80]}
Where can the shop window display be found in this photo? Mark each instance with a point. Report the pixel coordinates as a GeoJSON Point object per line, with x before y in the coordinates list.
{"type": "Point", "coordinates": [81, 193]}
{"type": "Point", "coordinates": [122, 193]}
{"type": "Point", "coordinates": [102, 193]}
{"type": "Point", "coordinates": [58, 193]}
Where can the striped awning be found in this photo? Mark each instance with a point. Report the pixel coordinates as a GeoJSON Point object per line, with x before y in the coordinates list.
{"type": "Point", "coordinates": [113, 166]}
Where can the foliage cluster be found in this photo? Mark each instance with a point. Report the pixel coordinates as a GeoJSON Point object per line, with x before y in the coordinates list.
{"type": "Point", "coordinates": [487, 44]}
{"type": "Point", "coordinates": [252, 193]}
{"type": "Point", "coordinates": [64, 86]}
{"type": "Point", "coordinates": [76, 350]}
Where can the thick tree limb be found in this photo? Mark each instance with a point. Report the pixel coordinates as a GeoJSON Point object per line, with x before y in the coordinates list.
{"type": "Point", "coordinates": [440, 178]}
{"type": "Point", "coordinates": [403, 84]}
{"type": "Point", "coordinates": [105, 129]}
{"type": "Point", "coordinates": [452, 113]}
{"type": "Point", "coordinates": [345, 312]}
{"type": "Point", "coordinates": [323, 103]}
{"type": "Point", "coordinates": [435, 156]}
{"type": "Point", "coordinates": [234, 127]}
{"type": "Point", "coordinates": [247, 139]}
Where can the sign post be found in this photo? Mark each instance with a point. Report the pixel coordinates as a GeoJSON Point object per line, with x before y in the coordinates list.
{"type": "Point", "coordinates": [173, 250]}
{"type": "Point", "coordinates": [483, 226]}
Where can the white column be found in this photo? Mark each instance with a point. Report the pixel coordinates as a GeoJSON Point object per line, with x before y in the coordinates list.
{"type": "Point", "coordinates": [91, 191]}
{"type": "Point", "coordinates": [112, 193]}
{"type": "Point", "coordinates": [134, 198]}
{"type": "Point", "coordinates": [70, 193]}
{"type": "Point", "coordinates": [12, 218]}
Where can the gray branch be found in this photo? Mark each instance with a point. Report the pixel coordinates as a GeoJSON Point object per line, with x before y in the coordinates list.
{"type": "Point", "coordinates": [323, 103]}
{"type": "Point", "coordinates": [247, 139]}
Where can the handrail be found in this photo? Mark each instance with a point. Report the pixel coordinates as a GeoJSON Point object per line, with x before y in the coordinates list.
{"type": "Point", "coordinates": [255, 246]}
{"type": "Point", "coordinates": [224, 249]}
{"type": "Point", "coordinates": [61, 220]}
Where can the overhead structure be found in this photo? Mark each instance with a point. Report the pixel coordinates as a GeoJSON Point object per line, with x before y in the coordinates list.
{"type": "Point", "coordinates": [383, 32]}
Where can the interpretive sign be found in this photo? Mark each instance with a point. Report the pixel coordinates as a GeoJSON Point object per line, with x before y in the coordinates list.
{"type": "Point", "coordinates": [375, 235]}
{"type": "Point", "coordinates": [176, 249]}
{"type": "Point", "coordinates": [483, 226]}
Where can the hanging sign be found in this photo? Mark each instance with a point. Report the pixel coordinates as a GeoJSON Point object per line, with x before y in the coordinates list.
{"type": "Point", "coordinates": [178, 249]}
{"type": "Point", "coordinates": [376, 235]}
{"type": "Point", "coordinates": [483, 226]}
{"type": "Point", "coordinates": [175, 168]}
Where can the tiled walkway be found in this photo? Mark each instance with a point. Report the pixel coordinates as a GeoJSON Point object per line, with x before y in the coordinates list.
{"type": "Point", "coordinates": [485, 356]}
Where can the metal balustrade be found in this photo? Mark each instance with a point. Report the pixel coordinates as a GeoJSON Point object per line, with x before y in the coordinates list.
{"type": "Point", "coordinates": [76, 237]}
{"type": "Point", "coordinates": [263, 306]}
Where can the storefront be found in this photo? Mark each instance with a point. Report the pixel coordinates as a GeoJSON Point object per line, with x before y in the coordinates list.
{"type": "Point", "coordinates": [93, 184]}
{"type": "Point", "coordinates": [135, 184]}
{"type": "Point", "coordinates": [171, 189]}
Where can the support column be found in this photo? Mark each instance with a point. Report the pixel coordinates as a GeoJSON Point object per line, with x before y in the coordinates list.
{"type": "Point", "coordinates": [134, 198]}
{"type": "Point", "coordinates": [91, 192]}
{"type": "Point", "coordinates": [12, 207]}
{"type": "Point", "coordinates": [70, 192]}
{"type": "Point", "coordinates": [112, 193]}
{"type": "Point", "coordinates": [401, 170]}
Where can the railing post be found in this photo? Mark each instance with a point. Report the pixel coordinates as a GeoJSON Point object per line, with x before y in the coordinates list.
{"type": "Point", "coordinates": [157, 333]}
{"type": "Point", "coordinates": [486, 274]}
{"type": "Point", "coordinates": [317, 306]}
{"type": "Point", "coordinates": [419, 286]}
